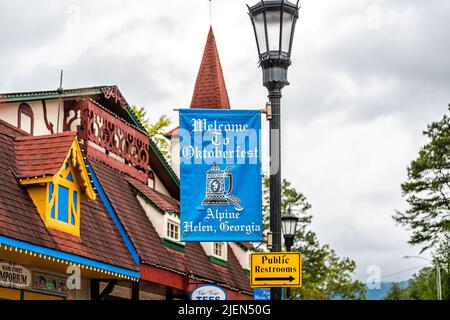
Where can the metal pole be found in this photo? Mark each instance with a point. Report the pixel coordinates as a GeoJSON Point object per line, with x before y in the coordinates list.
{"type": "Point", "coordinates": [288, 289]}
{"type": "Point", "coordinates": [438, 278]}
{"type": "Point", "coordinates": [288, 242]}
{"type": "Point", "coordinates": [275, 178]}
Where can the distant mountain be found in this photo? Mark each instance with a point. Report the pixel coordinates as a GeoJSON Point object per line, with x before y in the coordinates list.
{"type": "Point", "coordinates": [379, 294]}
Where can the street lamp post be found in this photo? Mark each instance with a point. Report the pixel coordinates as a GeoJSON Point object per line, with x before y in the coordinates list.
{"type": "Point", "coordinates": [274, 25]}
{"type": "Point", "coordinates": [289, 226]}
{"type": "Point", "coordinates": [438, 274]}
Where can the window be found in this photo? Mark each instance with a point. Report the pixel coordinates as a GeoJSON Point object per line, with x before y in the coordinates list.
{"type": "Point", "coordinates": [64, 201]}
{"type": "Point", "coordinates": [25, 118]}
{"type": "Point", "coordinates": [218, 249]}
{"type": "Point", "coordinates": [173, 230]}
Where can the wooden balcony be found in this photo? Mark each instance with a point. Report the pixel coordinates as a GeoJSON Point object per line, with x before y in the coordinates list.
{"type": "Point", "coordinates": [103, 128]}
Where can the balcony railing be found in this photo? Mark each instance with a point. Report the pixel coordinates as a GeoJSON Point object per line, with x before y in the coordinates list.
{"type": "Point", "coordinates": [98, 125]}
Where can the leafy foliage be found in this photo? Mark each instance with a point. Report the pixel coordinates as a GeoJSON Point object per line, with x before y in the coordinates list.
{"type": "Point", "coordinates": [396, 292]}
{"type": "Point", "coordinates": [422, 286]}
{"type": "Point", "coordinates": [427, 189]}
{"type": "Point", "coordinates": [442, 255]}
{"type": "Point", "coordinates": [156, 130]}
{"type": "Point", "coordinates": [325, 274]}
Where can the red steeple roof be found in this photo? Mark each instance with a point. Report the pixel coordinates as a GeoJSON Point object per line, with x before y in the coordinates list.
{"type": "Point", "coordinates": [210, 90]}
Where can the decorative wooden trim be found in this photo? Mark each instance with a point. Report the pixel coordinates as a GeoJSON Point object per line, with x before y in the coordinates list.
{"type": "Point", "coordinates": [114, 93]}
{"type": "Point", "coordinates": [26, 110]}
{"type": "Point", "coordinates": [163, 277]}
{"type": "Point", "coordinates": [49, 125]}
{"type": "Point", "coordinates": [103, 128]}
{"type": "Point", "coordinates": [218, 261]}
{"type": "Point", "coordinates": [172, 245]}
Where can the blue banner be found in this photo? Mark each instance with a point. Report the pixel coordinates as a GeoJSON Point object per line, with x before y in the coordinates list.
{"type": "Point", "coordinates": [261, 294]}
{"type": "Point", "coordinates": [264, 293]}
{"type": "Point", "coordinates": [220, 175]}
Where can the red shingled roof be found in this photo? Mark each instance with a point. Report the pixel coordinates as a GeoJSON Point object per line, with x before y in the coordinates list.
{"type": "Point", "coordinates": [37, 156]}
{"type": "Point", "coordinates": [132, 216]}
{"type": "Point", "coordinates": [163, 202]}
{"type": "Point", "coordinates": [210, 89]}
{"type": "Point", "coordinates": [247, 245]}
{"type": "Point", "coordinates": [20, 219]}
{"type": "Point", "coordinates": [174, 132]}
{"type": "Point", "coordinates": [119, 190]}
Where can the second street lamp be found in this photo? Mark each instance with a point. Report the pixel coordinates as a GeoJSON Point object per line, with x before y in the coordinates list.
{"type": "Point", "coordinates": [289, 225]}
{"type": "Point", "coordinates": [274, 25]}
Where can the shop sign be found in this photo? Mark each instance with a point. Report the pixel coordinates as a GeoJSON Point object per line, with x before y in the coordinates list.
{"type": "Point", "coordinates": [208, 292]}
{"type": "Point", "coordinates": [276, 269]}
{"type": "Point", "coordinates": [220, 169]}
{"type": "Point", "coordinates": [15, 276]}
{"type": "Point", "coordinates": [49, 283]}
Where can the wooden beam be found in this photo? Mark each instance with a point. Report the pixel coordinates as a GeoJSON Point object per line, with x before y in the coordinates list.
{"type": "Point", "coordinates": [135, 290]}
{"type": "Point", "coordinates": [95, 289]}
{"type": "Point", "coordinates": [108, 289]}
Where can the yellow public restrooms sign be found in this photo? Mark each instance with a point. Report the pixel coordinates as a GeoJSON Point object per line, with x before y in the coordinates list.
{"type": "Point", "coordinates": [276, 269]}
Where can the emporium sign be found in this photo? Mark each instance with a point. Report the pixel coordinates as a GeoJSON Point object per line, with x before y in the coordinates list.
{"type": "Point", "coordinates": [15, 276]}
{"type": "Point", "coordinates": [220, 175]}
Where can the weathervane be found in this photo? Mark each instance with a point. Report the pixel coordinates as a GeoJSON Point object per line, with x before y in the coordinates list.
{"type": "Point", "coordinates": [60, 91]}
{"type": "Point", "coordinates": [210, 12]}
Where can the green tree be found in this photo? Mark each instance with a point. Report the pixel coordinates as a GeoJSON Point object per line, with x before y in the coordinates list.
{"type": "Point", "coordinates": [427, 190]}
{"type": "Point", "coordinates": [396, 292]}
{"type": "Point", "coordinates": [423, 285]}
{"type": "Point", "coordinates": [325, 274]}
{"type": "Point", "coordinates": [442, 256]}
{"type": "Point", "coordinates": [155, 130]}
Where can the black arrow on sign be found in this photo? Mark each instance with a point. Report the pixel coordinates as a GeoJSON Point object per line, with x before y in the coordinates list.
{"type": "Point", "coordinates": [290, 279]}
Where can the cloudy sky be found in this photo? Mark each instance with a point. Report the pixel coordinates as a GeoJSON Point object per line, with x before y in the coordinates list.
{"type": "Point", "coordinates": [367, 76]}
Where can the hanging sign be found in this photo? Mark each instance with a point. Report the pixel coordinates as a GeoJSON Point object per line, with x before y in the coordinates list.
{"type": "Point", "coordinates": [14, 276]}
{"type": "Point", "coordinates": [220, 175]}
{"type": "Point", "coordinates": [208, 292]}
{"type": "Point", "coordinates": [276, 269]}
{"type": "Point", "coordinates": [261, 294]}
{"type": "Point", "coordinates": [49, 283]}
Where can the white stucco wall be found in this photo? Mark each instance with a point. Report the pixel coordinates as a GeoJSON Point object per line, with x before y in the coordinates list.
{"type": "Point", "coordinates": [242, 255]}
{"type": "Point", "coordinates": [9, 113]}
{"type": "Point", "coordinates": [209, 250]}
{"type": "Point", "coordinates": [175, 155]}
{"type": "Point", "coordinates": [155, 217]}
{"type": "Point", "coordinates": [160, 187]}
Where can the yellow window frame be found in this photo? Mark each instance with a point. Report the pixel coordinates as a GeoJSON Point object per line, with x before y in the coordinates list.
{"type": "Point", "coordinates": [60, 179]}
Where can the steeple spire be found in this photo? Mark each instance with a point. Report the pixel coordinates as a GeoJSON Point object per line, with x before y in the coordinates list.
{"type": "Point", "coordinates": [210, 91]}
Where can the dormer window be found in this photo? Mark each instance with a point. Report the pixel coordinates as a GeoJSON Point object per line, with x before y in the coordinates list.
{"type": "Point", "coordinates": [219, 250]}
{"type": "Point", "coordinates": [53, 171]}
{"type": "Point", "coordinates": [173, 230]}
